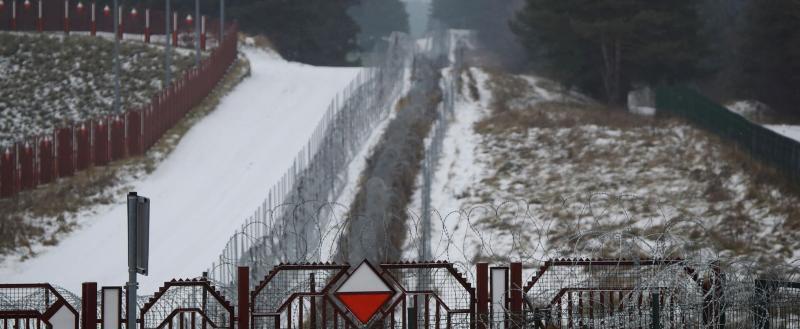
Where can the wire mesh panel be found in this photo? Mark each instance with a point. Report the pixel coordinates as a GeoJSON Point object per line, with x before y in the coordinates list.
{"type": "Point", "coordinates": [24, 306]}
{"type": "Point", "coordinates": [187, 304]}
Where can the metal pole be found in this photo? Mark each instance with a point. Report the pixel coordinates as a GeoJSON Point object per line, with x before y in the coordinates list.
{"type": "Point", "coordinates": [133, 201]}
{"type": "Point", "coordinates": [168, 53]}
{"type": "Point", "coordinates": [197, 33]}
{"type": "Point", "coordinates": [117, 107]}
{"type": "Point", "coordinates": [221, 20]}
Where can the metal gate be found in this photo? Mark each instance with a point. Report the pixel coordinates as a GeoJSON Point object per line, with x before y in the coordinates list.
{"type": "Point", "coordinates": [35, 306]}
{"type": "Point", "coordinates": [187, 304]}
{"type": "Point", "coordinates": [394, 295]}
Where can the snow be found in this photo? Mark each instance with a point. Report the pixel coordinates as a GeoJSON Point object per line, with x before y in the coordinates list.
{"type": "Point", "coordinates": [790, 131]}
{"type": "Point", "coordinates": [199, 194]}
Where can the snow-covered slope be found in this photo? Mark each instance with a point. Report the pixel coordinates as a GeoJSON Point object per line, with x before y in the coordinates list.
{"type": "Point", "coordinates": [199, 194]}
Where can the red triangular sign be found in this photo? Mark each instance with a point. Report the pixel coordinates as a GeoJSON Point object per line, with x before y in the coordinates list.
{"type": "Point", "coordinates": [364, 304]}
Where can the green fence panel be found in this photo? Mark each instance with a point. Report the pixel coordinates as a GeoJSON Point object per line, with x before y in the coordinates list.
{"type": "Point", "coordinates": [775, 149]}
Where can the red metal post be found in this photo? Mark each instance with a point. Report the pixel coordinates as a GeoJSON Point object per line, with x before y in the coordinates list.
{"type": "Point", "coordinates": [516, 294]}
{"type": "Point", "coordinates": [482, 294]}
{"type": "Point", "coordinates": [203, 32]}
{"type": "Point", "coordinates": [147, 25]}
{"type": "Point", "coordinates": [39, 20]}
{"type": "Point", "coordinates": [13, 15]}
{"type": "Point", "coordinates": [26, 164]}
{"type": "Point", "coordinates": [175, 29]}
{"type": "Point", "coordinates": [101, 153]}
{"type": "Point", "coordinates": [135, 133]}
{"type": "Point", "coordinates": [46, 161]}
{"type": "Point", "coordinates": [66, 16]}
{"type": "Point", "coordinates": [119, 15]}
{"type": "Point", "coordinates": [243, 290]}
{"type": "Point", "coordinates": [64, 153]}
{"type": "Point", "coordinates": [8, 170]}
{"type": "Point", "coordinates": [117, 139]}
{"type": "Point", "coordinates": [84, 144]}
{"type": "Point", "coordinates": [94, 19]}
{"type": "Point", "coordinates": [89, 305]}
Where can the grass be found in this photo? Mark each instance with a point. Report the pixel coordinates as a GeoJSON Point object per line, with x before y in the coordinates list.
{"type": "Point", "coordinates": [42, 215]}
{"type": "Point", "coordinates": [48, 80]}
{"type": "Point", "coordinates": [584, 167]}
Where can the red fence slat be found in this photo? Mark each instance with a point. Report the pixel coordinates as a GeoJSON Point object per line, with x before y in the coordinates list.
{"type": "Point", "coordinates": [70, 149]}
{"type": "Point", "coordinates": [100, 142]}
{"type": "Point", "coordinates": [27, 165]}
{"type": "Point", "coordinates": [46, 161]}
{"type": "Point", "coordinates": [65, 152]}
{"type": "Point", "coordinates": [135, 133]}
{"type": "Point", "coordinates": [117, 139]}
{"type": "Point", "coordinates": [8, 171]}
{"type": "Point", "coordinates": [83, 143]}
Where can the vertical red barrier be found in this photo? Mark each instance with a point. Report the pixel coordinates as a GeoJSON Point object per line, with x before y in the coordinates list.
{"type": "Point", "coordinates": [175, 29]}
{"type": "Point", "coordinates": [243, 288]}
{"type": "Point", "coordinates": [66, 16]}
{"type": "Point", "coordinates": [117, 139]}
{"type": "Point", "coordinates": [26, 164]}
{"type": "Point", "coordinates": [482, 294]}
{"type": "Point", "coordinates": [89, 305]}
{"type": "Point", "coordinates": [134, 137]}
{"type": "Point", "coordinates": [65, 152]}
{"type": "Point", "coordinates": [39, 19]}
{"type": "Point", "coordinates": [100, 142]}
{"type": "Point", "coordinates": [84, 144]}
{"type": "Point", "coordinates": [94, 19]}
{"type": "Point", "coordinates": [516, 294]}
{"type": "Point", "coordinates": [46, 161]}
{"type": "Point", "coordinates": [203, 33]}
{"type": "Point", "coordinates": [8, 171]}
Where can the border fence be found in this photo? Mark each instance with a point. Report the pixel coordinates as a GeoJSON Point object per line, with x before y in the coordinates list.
{"type": "Point", "coordinates": [39, 160]}
{"type": "Point", "coordinates": [563, 293]}
{"type": "Point", "coordinates": [779, 151]}
{"type": "Point", "coordinates": [287, 226]}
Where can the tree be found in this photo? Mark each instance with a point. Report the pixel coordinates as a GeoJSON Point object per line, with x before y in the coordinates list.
{"type": "Point", "coordinates": [377, 19]}
{"type": "Point", "coordinates": [489, 19]}
{"type": "Point", "coordinates": [771, 54]}
{"type": "Point", "coordinates": [608, 46]}
{"type": "Point", "coordinates": [317, 32]}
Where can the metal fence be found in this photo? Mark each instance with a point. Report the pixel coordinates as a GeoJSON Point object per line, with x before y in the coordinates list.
{"type": "Point", "coordinates": [290, 223]}
{"type": "Point", "coordinates": [779, 151]}
{"type": "Point", "coordinates": [38, 160]}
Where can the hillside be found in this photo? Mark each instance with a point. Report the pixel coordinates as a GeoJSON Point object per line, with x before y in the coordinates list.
{"type": "Point", "coordinates": [201, 190]}
{"type": "Point", "coordinates": [47, 80]}
{"type": "Point", "coordinates": [538, 173]}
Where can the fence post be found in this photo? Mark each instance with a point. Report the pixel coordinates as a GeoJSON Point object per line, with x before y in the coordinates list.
{"type": "Point", "coordinates": [515, 288]}
{"type": "Point", "coordinates": [482, 294]}
{"type": "Point", "coordinates": [655, 311]}
{"type": "Point", "coordinates": [760, 311]}
{"type": "Point", "coordinates": [89, 305]}
{"type": "Point", "coordinates": [243, 291]}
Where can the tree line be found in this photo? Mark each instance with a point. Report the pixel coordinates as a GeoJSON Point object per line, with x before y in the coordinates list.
{"type": "Point", "coordinates": [732, 49]}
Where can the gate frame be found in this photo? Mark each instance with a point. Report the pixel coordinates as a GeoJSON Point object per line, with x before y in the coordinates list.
{"type": "Point", "coordinates": [207, 287]}
{"type": "Point", "coordinates": [41, 316]}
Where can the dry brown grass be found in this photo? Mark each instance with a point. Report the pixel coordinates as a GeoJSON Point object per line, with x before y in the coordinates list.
{"type": "Point", "coordinates": [27, 218]}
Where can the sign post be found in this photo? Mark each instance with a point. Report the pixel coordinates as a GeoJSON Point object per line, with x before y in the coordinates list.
{"type": "Point", "coordinates": [138, 249]}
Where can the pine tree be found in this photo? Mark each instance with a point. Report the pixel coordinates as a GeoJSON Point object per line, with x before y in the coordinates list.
{"type": "Point", "coordinates": [771, 54]}
{"type": "Point", "coordinates": [317, 32]}
{"type": "Point", "coordinates": [607, 46]}
{"type": "Point", "coordinates": [377, 19]}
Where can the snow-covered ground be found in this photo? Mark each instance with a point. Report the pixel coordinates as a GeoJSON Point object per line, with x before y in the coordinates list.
{"type": "Point", "coordinates": [790, 131]}
{"type": "Point", "coordinates": [49, 80]}
{"type": "Point", "coordinates": [199, 194]}
{"type": "Point", "coordinates": [555, 175]}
